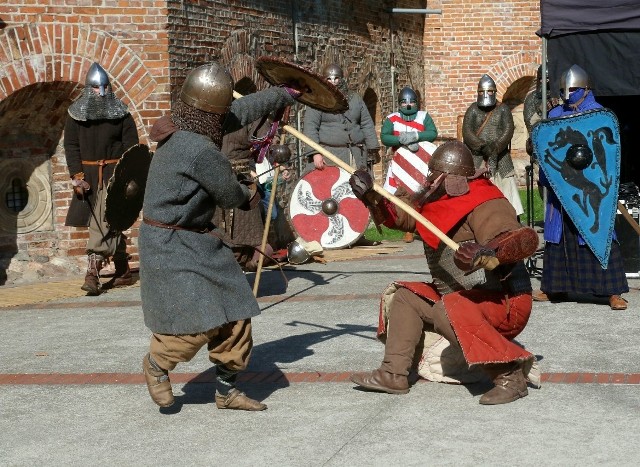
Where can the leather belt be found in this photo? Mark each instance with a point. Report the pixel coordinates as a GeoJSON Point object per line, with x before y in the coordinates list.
{"type": "Point", "coordinates": [100, 163]}
{"type": "Point", "coordinates": [206, 229]}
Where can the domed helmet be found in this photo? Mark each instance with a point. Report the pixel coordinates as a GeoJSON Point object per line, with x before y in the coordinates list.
{"type": "Point", "coordinates": [296, 254]}
{"type": "Point", "coordinates": [408, 101]}
{"type": "Point", "coordinates": [98, 78]}
{"type": "Point", "coordinates": [208, 88]}
{"type": "Point", "coordinates": [486, 91]}
{"type": "Point", "coordinates": [572, 79]}
{"type": "Point", "coordinates": [452, 157]}
{"type": "Point", "coordinates": [333, 72]}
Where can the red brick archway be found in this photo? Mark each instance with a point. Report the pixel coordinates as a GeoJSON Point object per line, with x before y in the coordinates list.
{"type": "Point", "coordinates": [34, 53]}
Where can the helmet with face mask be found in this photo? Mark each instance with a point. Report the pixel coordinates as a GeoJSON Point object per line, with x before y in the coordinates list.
{"type": "Point", "coordinates": [408, 102]}
{"type": "Point", "coordinates": [486, 91]}
{"type": "Point", "coordinates": [571, 80]}
{"type": "Point", "coordinates": [98, 78]}
{"type": "Point", "coordinates": [334, 74]}
{"type": "Point", "coordinates": [101, 105]}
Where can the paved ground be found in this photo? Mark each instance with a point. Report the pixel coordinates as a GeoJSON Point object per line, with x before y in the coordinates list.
{"type": "Point", "coordinates": [72, 393]}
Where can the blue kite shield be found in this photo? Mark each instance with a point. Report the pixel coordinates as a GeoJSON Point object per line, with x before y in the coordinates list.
{"type": "Point", "coordinates": [580, 156]}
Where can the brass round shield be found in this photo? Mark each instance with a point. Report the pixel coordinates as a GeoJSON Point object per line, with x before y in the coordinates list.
{"type": "Point", "coordinates": [316, 91]}
{"type": "Point", "coordinates": [125, 191]}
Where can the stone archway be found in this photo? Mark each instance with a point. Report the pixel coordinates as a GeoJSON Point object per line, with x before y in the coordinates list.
{"type": "Point", "coordinates": [42, 70]}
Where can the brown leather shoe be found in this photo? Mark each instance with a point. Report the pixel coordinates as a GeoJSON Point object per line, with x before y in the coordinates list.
{"type": "Point", "coordinates": [158, 382]}
{"type": "Point", "coordinates": [540, 296]}
{"type": "Point", "coordinates": [616, 302]}
{"type": "Point", "coordinates": [408, 237]}
{"type": "Point", "coordinates": [382, 381]}
{"type": "Point", "coordinates": [237, 400]}
{"type": "Point", "coordinates": [122, 275]}
{"type": "Point", "coordinates": [510, 385]}
{"type": "Point", "coordinates": [91, 284]}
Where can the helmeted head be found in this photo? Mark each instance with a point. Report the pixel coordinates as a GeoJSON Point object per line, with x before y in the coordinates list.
{"type": "Point", "coordinates": [208, 88]}
{"type": "Point", "coordinates": [98, 79]}
{"type": "Point", "coordinates": [452, 157]}
{"type": "Point", "coordinates": [487, 91]}
{"type": "Point", "coordinates": [450, 168]}
{"type": "Point", "coordinates": [408, 101]}
{"type": "Point", "coordinates": [205, 99]}
{"type": "Point", "coordinates": [573, 80]}
{"type": "Point", "coordinates": [334, 74]}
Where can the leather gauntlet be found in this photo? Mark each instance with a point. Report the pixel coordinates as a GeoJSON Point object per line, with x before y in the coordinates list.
{"type": "Point", "coordinates": [472, 256]}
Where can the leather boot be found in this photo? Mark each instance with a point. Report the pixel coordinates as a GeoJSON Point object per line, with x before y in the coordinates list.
{"type": "Point", "coordinates": [92, 283]}
{"type": "Point", "coordinates": [237, 400]}
{"type": "Point", "coordinates": [382, 381]}
{"type": "Point", "coordinates": [158, 382]}
{"type": "Point", "coordinates": [408, 237]}
{"type": "Point", "coordinates": [122, 275]}
{"type": "Point", "coordinates": [510, 384]}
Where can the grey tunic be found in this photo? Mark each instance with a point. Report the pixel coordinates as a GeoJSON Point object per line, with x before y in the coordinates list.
{"type": "Point", "coordinates": [352, 130]}
{"type": "Point", "coordinates": [191, 282]}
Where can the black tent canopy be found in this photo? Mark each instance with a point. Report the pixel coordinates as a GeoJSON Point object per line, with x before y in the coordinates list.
{"type": "Point", "coordinates": [602, 36]}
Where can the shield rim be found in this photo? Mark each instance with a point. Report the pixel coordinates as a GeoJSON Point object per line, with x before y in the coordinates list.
{"type": "Point", "coordinates": [325, 91]}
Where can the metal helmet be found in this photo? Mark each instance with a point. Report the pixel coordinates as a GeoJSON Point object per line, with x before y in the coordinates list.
{"type": "Point", "coordinates": [296, 254]}
{"type": "Point", "coordinates": [486, 91]}
{"type": "Point", "coordinates": [208, 88]}
{"type": "Point", "coordinates": [572, 79]}
{"type": "Point", "coordinates": [97, 77]}
{"type": "Point", "coordinates": [333, 71]}
{"type": "Point", "coordinates": [452, 157]}
{"type": "Point", "coordinates": [410, 98]}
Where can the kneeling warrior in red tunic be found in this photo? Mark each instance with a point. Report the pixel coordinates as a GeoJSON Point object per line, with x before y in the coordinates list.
{"type": "Point", "coordinates": [480, 296]}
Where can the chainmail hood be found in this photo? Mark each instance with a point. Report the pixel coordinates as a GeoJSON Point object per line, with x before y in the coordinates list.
{"type": "Point", "coordinates": [189, 118]}
{"type": "Point", "coordinates": [91, 106]}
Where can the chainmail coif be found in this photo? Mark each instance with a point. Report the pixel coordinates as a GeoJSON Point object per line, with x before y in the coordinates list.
{"type": "Point", "coordinates": [91, 106]}
{"type": "Point", "coordinates": [189, 118]}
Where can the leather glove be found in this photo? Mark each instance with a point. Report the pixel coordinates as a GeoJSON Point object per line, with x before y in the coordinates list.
{"type": "Point", "coordinates": [413, 147]}
{"type": "Point", "coordinates": [472, 256]}
{"type": "Point", "coordinates": [374, 155]}
{"type": "Point", "coordinates": [80, 186]}
{"type": "Point", "coordinates": [408, 138]}
{"type": "Point", "coordinates": [361, 183]}
{"type": "Point", "coordinates": [489, 149]}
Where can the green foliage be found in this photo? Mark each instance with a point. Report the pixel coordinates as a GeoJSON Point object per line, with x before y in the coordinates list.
{"type": "Point", "coordinates": [389, 235]}
{"type": "Point", "coordinates": [538, 207]}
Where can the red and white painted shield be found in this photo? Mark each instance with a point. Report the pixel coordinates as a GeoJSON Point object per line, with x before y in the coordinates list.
{"type": "Point", "coordinates": [409, 169]}
{"type": "Point", "coordinates": [323, 208]}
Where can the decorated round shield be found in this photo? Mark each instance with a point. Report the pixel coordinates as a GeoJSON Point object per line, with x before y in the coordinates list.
{"type": "Point", "coordinates": [317, 92]}
{"type": "Point", "coordinates": [125, 191]}
{"type": "Point", "coordinates": [323, 208]}
{"type": "Point", "coordinates": [409, 169]}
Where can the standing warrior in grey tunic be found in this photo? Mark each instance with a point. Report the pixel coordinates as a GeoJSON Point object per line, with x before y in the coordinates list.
{"type": "Point", "coordinates": [193, 291]}
{"type": "Point", "coordinates": [487, 130]}
{"type": "Point", "coordinates": [351, 135]}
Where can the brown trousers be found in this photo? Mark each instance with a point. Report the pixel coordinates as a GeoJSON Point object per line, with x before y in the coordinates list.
{"type": "Point", "coordinates": [229, 345]}
{"type": "Point", "coordinates": [98, 228]}
{"type": "Point", "coordinates": [407, 315]}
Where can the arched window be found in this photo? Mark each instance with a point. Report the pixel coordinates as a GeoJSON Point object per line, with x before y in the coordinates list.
{"type": "Point", "coordinates": [17, 196]}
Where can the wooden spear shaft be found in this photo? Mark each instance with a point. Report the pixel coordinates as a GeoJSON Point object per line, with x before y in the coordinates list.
{"type": "Point", "coordinates": [377, 188]}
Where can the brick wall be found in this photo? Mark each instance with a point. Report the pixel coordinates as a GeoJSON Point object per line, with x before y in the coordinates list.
{"type": "Point", "coordinates": [148, 47]}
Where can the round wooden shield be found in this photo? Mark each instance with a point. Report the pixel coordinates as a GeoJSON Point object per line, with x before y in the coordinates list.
{"type": "Point", "coordinates": [409, 169]}
{"type": "Point", "coordinates": [317, 92]}
{"type": "Point", "coordinates": [323, 208]}
{"type": "Point", "coordinates": [125, 191]}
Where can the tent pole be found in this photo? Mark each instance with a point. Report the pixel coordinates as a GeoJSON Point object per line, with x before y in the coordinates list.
{"type": "Point", "coordinates": [544, 77]}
